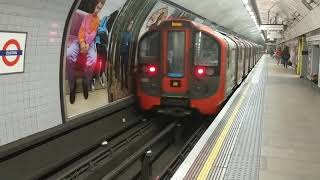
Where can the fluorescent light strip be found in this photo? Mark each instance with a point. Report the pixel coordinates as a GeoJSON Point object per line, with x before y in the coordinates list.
{"type": "Point", "coordinates": [252, 15]}
{"type": "Point", "coordinates": [251, 12]}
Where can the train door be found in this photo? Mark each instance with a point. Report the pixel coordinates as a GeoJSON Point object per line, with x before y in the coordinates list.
{"type": "Point", "coordinates": [249, 56]}
{"type": "Point", "coordinates": [246, 58]}
{"type": "Point", "coordinates": [238, 77]}
{"type": "Point", "coordinates": [231, 66]}
{"type": "Point", "coordinates": [252, 56]}
{"type": "Point", "coordinates": [241, 62]}
{"type": "Point", "coordinates": [175, 61]}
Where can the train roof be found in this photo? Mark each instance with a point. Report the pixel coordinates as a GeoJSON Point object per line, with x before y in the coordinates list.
{"type": "Point", "coordinates": [205, 28]}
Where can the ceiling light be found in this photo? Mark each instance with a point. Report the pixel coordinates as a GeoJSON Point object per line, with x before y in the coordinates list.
{"type": "Point", "coordinates": [253, 16]}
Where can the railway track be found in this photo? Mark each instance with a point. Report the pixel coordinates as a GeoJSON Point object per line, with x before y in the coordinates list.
{"type": "Point", "coordinates": [112, 152]}
{"type": "Point", "coordinates": [120, 144]}
{"type": "Point", "coordinates": [165, 153]}
{"type": "Point", "coordinates": [44, 153]}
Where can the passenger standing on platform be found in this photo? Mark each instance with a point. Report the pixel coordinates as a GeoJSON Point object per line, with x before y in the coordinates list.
{"type": "Point", "coordinates": [278, 55]}
{"type": "Point", "coordinates": [124, 55]}
{"type": "Point", "coordinates": [84, 47]}
{"type": "Point", "coordinates": [285, 56]}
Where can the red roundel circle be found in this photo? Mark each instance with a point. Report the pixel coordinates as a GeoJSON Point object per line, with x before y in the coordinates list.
{"type": "Point", "coordinates": [6, 45]}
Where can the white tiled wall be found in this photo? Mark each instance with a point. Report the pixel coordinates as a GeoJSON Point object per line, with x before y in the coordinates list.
{"type": "Point", "coordinates": [30, 101]}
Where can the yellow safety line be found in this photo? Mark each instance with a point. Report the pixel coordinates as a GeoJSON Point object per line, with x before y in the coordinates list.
{"type": "Point", "coordinates": [216, 149]}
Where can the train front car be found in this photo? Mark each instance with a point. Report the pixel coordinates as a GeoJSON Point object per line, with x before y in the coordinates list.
{"type": "Point", "coordinates": [181, 68]}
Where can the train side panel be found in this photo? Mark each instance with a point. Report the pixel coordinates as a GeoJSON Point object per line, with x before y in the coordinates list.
{"type": "Point", "coordinates": [230, 66]}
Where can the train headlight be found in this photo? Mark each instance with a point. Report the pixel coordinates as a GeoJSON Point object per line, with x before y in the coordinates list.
{"type": "Point", "coordinates": [209, 71]}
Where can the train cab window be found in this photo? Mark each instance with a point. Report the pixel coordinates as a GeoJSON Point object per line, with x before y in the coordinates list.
{"type": "Point", "coordinates": [176, 45]}
{"type": "Point", "coordinates": [206, 51]}
{"type": "Point", "coordinates": [150, 45]}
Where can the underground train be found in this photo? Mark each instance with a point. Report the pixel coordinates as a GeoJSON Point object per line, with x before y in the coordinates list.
{"type": "Point", "coordinates": [185, 66]}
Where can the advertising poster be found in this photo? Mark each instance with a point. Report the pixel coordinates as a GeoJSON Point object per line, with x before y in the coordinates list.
{"type": "Point", "coordinates": [86, 61]}
{"type": "Point", "coordinates": [161, 12]}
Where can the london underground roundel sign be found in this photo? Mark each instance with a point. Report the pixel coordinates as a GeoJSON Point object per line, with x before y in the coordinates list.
{"type": "Point", "coordinates": [12, 52]}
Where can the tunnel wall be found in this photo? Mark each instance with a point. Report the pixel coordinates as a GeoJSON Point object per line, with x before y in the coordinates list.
{"type": "Point", "coordinates": [30, 101]}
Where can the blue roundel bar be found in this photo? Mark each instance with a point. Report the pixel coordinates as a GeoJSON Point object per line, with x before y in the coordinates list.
{"type": "Point", "coordinates": [10, 52]}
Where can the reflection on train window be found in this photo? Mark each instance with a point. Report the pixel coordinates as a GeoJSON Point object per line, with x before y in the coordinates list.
{"type": "Point", "coordinates": [176, 42]}
{"type": "Point", "coordinates": [206, 50]}
{"type": "Point", "coordinates": [150, 45]}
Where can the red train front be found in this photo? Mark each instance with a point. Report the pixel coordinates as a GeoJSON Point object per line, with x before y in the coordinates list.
{"type": "Point", "coordinates": [185, 66]}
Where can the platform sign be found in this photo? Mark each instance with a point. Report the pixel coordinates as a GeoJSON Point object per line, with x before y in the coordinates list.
{"type": "Point", "coordinates": [12, 52]}
{"type": "Point", "coordinates": [273, 35]}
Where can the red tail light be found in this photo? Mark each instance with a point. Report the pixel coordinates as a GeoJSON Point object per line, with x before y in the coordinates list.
{"type": "Point", "coordinates": [200, 71]}
{"type": "Point", "coordinates": [150, 69]}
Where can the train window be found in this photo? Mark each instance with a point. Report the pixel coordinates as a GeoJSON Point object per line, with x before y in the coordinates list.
{"type": "Point", "coordinates": [206, 50]}
{"type": "Point", "coordinates": [176, 45]}
{"type": "Point", "coordinates": [232, 56]}
{"type": "Point", "coordinates": [150, 45]}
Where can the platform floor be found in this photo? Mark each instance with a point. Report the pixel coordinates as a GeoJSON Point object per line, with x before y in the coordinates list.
{"type": "Point", "coordinates": [269, 129]}
{"type": "Point", "coordinates": [290, 148]}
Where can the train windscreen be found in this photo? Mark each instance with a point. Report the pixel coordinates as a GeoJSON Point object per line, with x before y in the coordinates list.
{"type": "Point", "coordinates": [206, 50]}
{"type": "Point", "coordinates": [176, 45]}
{"type": "Point", "coordinates": [150, 45]}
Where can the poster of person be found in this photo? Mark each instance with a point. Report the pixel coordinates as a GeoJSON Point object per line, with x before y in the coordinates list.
{"type": "Point", "coordinates": [157, 17]}
{"type": "Point", "coordinates": [87, 60]}
{"type": "Point", "coordinates": [160, 12]}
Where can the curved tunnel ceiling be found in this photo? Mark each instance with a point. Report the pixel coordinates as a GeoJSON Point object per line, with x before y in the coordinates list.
{"type": "Point", "coordinates": [285, 11]}
{"type": "Point", "coordinates": [230, 14]}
